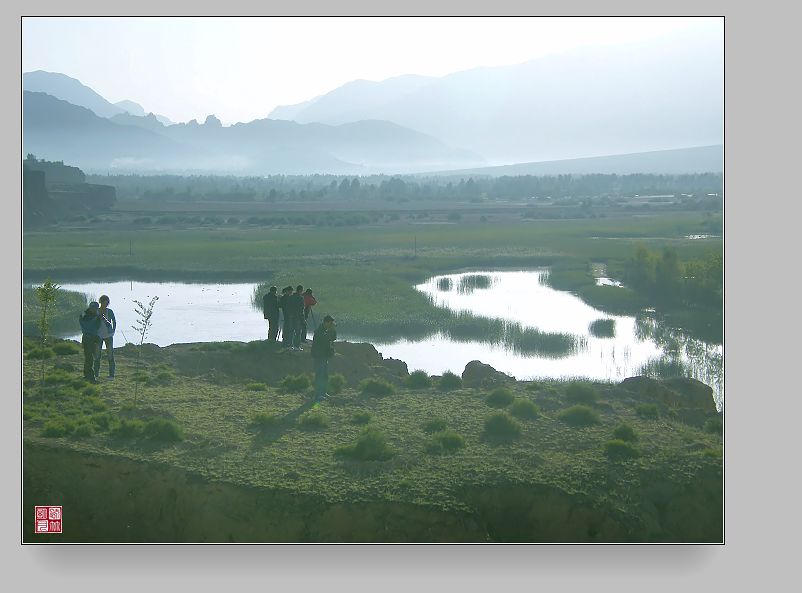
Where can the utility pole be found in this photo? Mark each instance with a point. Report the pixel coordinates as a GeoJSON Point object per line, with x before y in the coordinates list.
{"type": "Point", "coordinates": [415, 246]}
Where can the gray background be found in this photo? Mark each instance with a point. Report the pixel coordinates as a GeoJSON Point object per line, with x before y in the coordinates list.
{"type": "Point", "coordinates": [761, 489]}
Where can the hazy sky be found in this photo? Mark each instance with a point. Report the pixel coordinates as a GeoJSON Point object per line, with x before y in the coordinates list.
{"type": "Point", "coordinates": [241, 68]}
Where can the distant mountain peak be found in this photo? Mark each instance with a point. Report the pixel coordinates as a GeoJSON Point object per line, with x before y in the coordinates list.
{"type": "Point", "coordinates": [213, 122]}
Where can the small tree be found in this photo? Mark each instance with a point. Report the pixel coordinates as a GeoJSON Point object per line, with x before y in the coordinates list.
{"type": "Point", "coordinates": [141, 326]}
{"type": "Point", "coordinates": [46, 296]}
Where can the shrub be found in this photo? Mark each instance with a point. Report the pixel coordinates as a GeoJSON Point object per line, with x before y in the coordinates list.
{"type": "Point", "coordinates": [578, 392]}
{"type": "Point", "coordinates": [361, 417]}
{"type": "Point", "coordinates": [63, 348]}
{"type": "Point", "coordinates": [371, 445]}
{"type": "Point", "coordinates": [523, 408]}
{"type": "Point", "coordinates": [445, 441]}
{"type": "Point", "coordinates": [163, 430]}
{"type": "Point", "coordinates": [618, 449]}
{"type": "Point", "coordinates": [579, 416]}
{"type": "Point", "coordinates": [83, 430]}
{"type": "Point", "coordinates": [435, 425]}
{"type": "Point", "coordinates": [625, 432]}
{"type": "Point", "coordinates": [419, 380]}
{"type": "Point", "coordinates": [161, 378]}
{"type": "Point", "coordinates": [58, 376]}
{"type": "Point", "coordinates": [376, 387]}
{"type": "Point", "coordinates": [128, 429]}
{"type": "Point", "coordinates": [91, 391]}
{"type": "Point", "coordinates": [336, 384]}
{"type": "Point", "coordinates": [263, 419]}
{"type": "Point", "coordinates": [648, 411]}
{"type": "Point", "coordinates": [39, 354]}
{"type": "Point", "coordinates": [256, 387]}
{"type": "Point", "coordinates": [313, 420]}
{"type": "Point", "coordinates": [500, 398]}
{"type": "Point", "coordinates": [449, 382]}
{"type": "Point", "coordinates": [294, 383]}
{"type": "Point", "coordinates": [102, 420]}
{"type": "Point", "coordinates": [57, 428]}
{"type": "Point", "coordinates": [714, 425]}
{"type": "Point", "coordinates": [501, 426]}
{"type": "Point", "coordinates": [95, 404]}
{"type": "Point", "coordinates": [603, 328]}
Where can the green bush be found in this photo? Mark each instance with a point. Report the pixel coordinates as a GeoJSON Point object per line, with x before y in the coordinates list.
{"type": "Point", "coordinates": [256, 387]}
{"type": "Point", "coordinates": [580, 392]}
{"type": "Point", "coordinates": [523, 408]}
{"type": "Point", "coordinates": [625, 432]}
{"type": "Point", "coordinates": [102, 420]}
{"type": "Point", "coordinates": [264, 419]}
{"type": "Point", "coordinates": [714, 425]}
{"type": "Point", "coordinates": [647, 411]}
{"type": "Point", "coordinates": [371, 445]}
{"type": "Point", "coordinates": [313, 420]}
{"type": "Point", "coordinates": [95, 404]}
{"type": "Point", "coordinates": [500, 398]}
{"type": "Point", "coordinates": [128, 429]}
{"type": "Point", "coordinates": [501, 426]}
{"type": "Point", "coordinates": [163, 430]}
{"type": "Point", "coordinates": [58, 376]}
{"type": "Point", "coordinates": [603, 328]}
{"type": "Point", "coordinates": [83, 430]}
{"type": "Point", "coordinates": [161, 378]}
{"type": "Point", "coordinates": [294, 383]}
{"type": "Point", "coordinates": [376, 387]}
{"type": "Point", "coordinates": [579, 416]}
{"type": "Point", "coordinates": [64, 348]}
{"type": "Point", "coordinates": [58, 428]}
{"type": "Point", "coordinates": [40, 354]}
{"type": "Point", "coordinates": [435, 425]}
{"type": "Point", "coordinates": [449, 382]}
{"type": "Point", "coordinates": [418, 380]}
{"type": "Point", "coordinates": [361, 417]}
{"type": "Point", "coordinates": [445, 441]}
{"type": "Point", "coordinates": [336, 384]}
{"type": "Point", "coordinates": [91, 391]}
{"type": "Point", "coordinates": [618, 449]}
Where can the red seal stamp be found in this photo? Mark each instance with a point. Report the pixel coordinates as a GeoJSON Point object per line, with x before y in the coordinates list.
{"type": "Point", "coordinates": [48, 520]}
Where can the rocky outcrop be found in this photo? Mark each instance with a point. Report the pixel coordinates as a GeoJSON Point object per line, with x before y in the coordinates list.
{"type": "Point", "coordinates": [679, 392]}
{"type": "Point", "coordinates": [479, 374]}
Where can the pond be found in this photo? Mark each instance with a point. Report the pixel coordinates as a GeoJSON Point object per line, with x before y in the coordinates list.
{"type": "Point", "coordinates": [604, 347]}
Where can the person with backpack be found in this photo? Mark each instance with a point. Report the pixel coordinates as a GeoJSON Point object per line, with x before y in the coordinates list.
{"type": "Point", "coordinates": [270, 311]}
{"type": "Point", "coordinates": [322, 350]}
{"type": "Point", "coordinates": [105, 334]}
{"type": "Point", "coordinates": [309, 302]}
{"type": "Point", "coordinates": [90, 322]}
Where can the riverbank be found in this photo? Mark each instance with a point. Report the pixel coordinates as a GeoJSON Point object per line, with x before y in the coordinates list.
{"type": "Point", "coordinates": [421, 460]}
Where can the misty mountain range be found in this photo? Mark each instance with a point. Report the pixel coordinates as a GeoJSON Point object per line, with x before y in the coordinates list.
{"type": "Point", "coordinates": [646, 97]}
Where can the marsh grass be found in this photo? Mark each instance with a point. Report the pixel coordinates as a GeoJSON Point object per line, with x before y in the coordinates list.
{"type": "Point", "coordinates": [581, 392]}
{"type": "Point", "coordinates": [647, 411]}
{"type": "Point", "coordinates": [256, 387]}
{"type": "Point", "coordinates": [472, 282]}
{"type": "Point", "coordinates": [445, 441]}
{"type": "Point", "coordinates": [603, 328]}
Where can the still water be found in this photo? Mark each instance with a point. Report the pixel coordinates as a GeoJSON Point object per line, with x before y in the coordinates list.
{"type": "Point", "coordinates": [639, 345]}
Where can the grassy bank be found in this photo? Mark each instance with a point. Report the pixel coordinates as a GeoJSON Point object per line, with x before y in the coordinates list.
{"type": "Point", "coordinates": [230, 429]}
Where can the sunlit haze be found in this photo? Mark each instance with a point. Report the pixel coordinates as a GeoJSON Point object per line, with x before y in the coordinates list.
{"type": "Point", "coordinates": [241, 68]}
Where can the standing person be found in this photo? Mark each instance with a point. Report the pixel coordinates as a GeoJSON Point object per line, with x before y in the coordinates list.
{"type": "Point", "coordinates": [286, 332]}
{"type": "Point", "coordinates": [309, 302]}
{"type": "Point", "coordinates": [105, 335]}
{"type": "Point", "coordinates": [270, 310]}
{"type": "Point", "coordinates": [90, 322]}
{"type": "Point", "coordinates": [295, 308]}
{"type": "Point", "coordinates": [322, 350]}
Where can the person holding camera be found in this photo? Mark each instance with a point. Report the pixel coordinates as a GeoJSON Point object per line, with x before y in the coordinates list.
{"type": "Point", "coordinates": [90, 322]}
{"type": "Point", "coordinates": [105, 333]}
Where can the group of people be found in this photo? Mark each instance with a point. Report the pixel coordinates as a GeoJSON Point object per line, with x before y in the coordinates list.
{"type": "Point", "coordinates": [290, 312]}
{"type": "Point", "coordinates": [97, 326]}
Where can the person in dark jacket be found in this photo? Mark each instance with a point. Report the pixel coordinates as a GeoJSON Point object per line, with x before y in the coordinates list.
{"type": "Point", "coordinates": [90, 323]}
{"type": "Point", "coordinates": [295, 310]}
{"type": "Point", "coordinates": [105, 334]}
{"type": "Point", "coordinates": [322, 350]}
{"type": "Point", "coordinates": [286, 333]}
{"type": "Point", "coordinates": [270, 310]}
